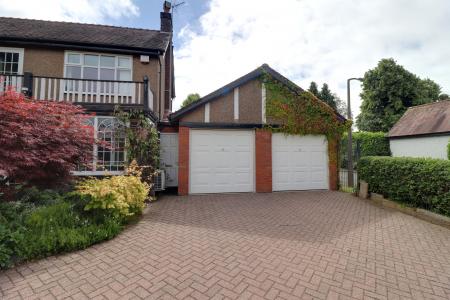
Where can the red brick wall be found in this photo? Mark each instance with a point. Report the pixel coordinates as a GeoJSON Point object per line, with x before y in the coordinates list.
{"type": "Point", "coordinates": [183, 161]}
{"type": "Point", "coordinates": [263, 160]}
{"type": "Point", "coordinates": [333, 163]}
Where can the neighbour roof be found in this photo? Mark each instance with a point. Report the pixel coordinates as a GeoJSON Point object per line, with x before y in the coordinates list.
{"type": "Point", "coordinates": [423, 119]}
{"type": "Point", "coordinates": [63, 33]}
{"type": "Point", "coordinates": [264, 69]}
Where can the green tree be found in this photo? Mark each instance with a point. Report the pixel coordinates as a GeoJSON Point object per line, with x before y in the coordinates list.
{"type": "Point", "coordinates": [314, 89]}
{"type": "Point", "coordinates": [327, 96]}
{"type": "Point", "coordinates": [388, 90]}
{"type": "Point", "coordinates": [444, 97]}
{"type": "Point", "coordinates": [191, 98]}
{"type": "Point", "coordinates": [341, 106]}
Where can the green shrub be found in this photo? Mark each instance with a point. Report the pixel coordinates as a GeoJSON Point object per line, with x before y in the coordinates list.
{"type": "Point", "coordinates": [418, 182]}
{"type": "Point", "coordinates": [12, 215]}
{"type": "Point", "coordinates": [448, 151]}
{"type": "Point", "coordinates": [124, 196]}
{"type": "Point", "coordinates": [59, 224]}
{"type": "Point", "coordinates": [59, 228]}
{"type": "Point", "coordinates": [38, 197]}
{"type": "Point", "coordinates": [10, 241]}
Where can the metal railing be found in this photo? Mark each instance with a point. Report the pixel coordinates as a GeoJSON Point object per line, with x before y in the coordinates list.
{"type": "Point", "coordinates": [79, 90]}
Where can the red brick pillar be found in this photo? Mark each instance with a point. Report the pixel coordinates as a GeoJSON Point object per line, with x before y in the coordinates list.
{"type": "Point", "coordinates": [263, 160]}
{"type": "Point", "coordinates": [333, 163]}
{"type": "Point", "coordinates": [183, 161]}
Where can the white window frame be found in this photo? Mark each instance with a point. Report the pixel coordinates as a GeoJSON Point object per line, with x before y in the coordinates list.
{"type": "Point", "coordinates": [93, 164]}
{"type": "Point", "coordinates": [21, 52]}
{"type": "Point", "coordinates": [81, 64]}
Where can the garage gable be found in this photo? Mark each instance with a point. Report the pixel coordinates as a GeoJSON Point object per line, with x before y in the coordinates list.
{"type": "Point", "coordinates": [239, 102]}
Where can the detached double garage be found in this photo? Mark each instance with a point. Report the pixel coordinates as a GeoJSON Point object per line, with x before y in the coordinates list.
{"type": "Point", "coordinates": [225, 161]}
{"type": "Point", "coordinates": [224, 148]}
{"type": "Point", "coordinates": [250, 160]}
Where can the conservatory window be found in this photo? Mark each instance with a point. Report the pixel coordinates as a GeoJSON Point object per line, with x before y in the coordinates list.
{"type": "Point", "coordinates": [109, 155]}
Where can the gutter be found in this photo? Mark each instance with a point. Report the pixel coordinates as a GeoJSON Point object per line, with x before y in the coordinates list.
{"type": "Point", "coordinates": [83, 46]}
{"type": "Point", "coordinates": [432, 134]}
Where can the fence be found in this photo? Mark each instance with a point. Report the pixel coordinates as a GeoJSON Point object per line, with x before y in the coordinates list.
{"type": "Point", "coordinates": [79, 90]}
{"type": "Point", "coordinates": [348, 177]}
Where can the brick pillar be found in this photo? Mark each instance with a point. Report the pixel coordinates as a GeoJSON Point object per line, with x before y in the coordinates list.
{"type": "Point", "coordinates": [263, 160]}
{"type": "Point", "coordinates": [333, 163]}
{"type": "Point", "coordinates": [183, 161]}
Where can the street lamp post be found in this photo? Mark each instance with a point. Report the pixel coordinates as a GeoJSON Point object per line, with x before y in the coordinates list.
{"type": "Point", "coordinates": [349, 146]}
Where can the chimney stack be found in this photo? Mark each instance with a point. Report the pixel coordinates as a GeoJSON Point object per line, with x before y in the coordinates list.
{"type": "Point", "coordinates": [166, 17]}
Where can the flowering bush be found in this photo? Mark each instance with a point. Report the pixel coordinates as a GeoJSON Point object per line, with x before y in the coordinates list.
{"type": "Point", "coordinates": [42, 141]}
{"type": "Point", "coordinates": [122, 195]}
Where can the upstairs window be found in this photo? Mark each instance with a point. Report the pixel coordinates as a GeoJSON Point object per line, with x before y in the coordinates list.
{"type": "Point", "coordinates": [98, 66]}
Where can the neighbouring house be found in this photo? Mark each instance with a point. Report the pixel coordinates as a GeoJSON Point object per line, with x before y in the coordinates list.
{"type": "Point", "coordinates": [96, 66]}
{"type": "Point", "coordinates": [423, 131]}
{"type": "Point", "coordinates": [217, 145]}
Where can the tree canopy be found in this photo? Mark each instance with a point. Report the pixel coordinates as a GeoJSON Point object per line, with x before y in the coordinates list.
{"type": "Point", "coordinates": [191, 98]}
{"type": "Point", "coordinates": [42, 141]}
{"type": "Point", "coordinates": [328, 97]}
{"type": "Point", "coordinates": [388, 90]}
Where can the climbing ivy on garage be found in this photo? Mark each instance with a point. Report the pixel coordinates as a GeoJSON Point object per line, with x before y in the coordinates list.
{"type": "Point", "coordinates": [301, 113]}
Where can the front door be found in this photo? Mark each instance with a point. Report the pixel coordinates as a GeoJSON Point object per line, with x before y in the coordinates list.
{"type": "Point", "coordinates": [169, 157]}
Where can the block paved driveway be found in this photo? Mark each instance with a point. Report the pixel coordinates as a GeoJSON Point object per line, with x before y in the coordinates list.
{"type": "Point", "coordinates": [310, 245]}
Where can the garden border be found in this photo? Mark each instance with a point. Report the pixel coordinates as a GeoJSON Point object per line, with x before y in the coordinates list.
{"type": "Point", "coordinates": [419, 213]}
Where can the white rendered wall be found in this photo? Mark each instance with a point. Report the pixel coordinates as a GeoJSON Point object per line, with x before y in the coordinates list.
{"type": "Point", "coordinates": [434, 147]}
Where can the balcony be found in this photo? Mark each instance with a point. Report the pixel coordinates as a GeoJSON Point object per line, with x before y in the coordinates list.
{"type": "Point", "coordinates": [81, 91]}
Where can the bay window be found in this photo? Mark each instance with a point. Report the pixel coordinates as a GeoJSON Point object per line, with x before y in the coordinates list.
{"type": "Point", "coordinates": [109, 153]}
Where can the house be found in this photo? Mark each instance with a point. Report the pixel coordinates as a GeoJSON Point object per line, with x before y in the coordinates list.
{"type": "Point", "coordinates": [220, 146]}
{"type": "Point", "coordinates": [423, 131]}
{"type": "Point", "coordinates": [96, 66]}
{"type": "Point", "coordinates": [215, 145]}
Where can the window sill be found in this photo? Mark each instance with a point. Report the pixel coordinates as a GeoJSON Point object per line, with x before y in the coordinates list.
{"type": "Point", "coordinates": [98, 173]}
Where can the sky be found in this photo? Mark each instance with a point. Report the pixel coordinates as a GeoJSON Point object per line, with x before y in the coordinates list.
{"type": "Point", "coordinates": [217, 41]}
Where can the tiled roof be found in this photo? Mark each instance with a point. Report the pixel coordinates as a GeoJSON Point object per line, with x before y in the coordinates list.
{"type": "Point", "coordinates": [27, 30]}
{"type": "Point", "coordinates": [423, 119]}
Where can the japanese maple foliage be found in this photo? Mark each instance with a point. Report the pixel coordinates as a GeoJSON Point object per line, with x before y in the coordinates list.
{"type": "Point", "coordinates": [42, 141]}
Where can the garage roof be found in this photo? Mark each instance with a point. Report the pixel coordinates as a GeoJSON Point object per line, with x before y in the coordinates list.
{"type": "Point", "coordinates": [264, 69]}
{"type": "Point", "coordinates": [427, 119]}
{"type": "Point", "coordinates": [67, 33]}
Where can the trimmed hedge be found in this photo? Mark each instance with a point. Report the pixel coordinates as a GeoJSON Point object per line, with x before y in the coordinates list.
{"type": "Point", "coordinates": [448, 151]}
{"type": "Point", "coordinates": [417, 182]}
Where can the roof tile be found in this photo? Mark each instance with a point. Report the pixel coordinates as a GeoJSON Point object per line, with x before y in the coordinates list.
{"type": "Point", "coordinates": [77, 33]}
{"type": "Point", "coordinates": [423, 119]}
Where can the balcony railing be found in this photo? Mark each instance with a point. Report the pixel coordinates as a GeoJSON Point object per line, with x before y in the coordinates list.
{"type": "Point", "coordinates": [80, 90]}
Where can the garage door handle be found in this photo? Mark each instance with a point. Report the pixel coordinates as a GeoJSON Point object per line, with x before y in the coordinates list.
{"type": "Point", "coordinates": [168, 166]}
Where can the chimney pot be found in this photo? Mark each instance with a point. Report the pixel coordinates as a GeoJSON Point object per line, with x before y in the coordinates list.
{"type": "Point", "coordinates": [167, 6]}
{"type": "Point", "coordinates": [166, 17]}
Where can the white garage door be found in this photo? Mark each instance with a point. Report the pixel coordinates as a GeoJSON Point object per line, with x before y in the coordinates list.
{"type": "Point", "coordinates": [221, 161]}
{"type": "Point", "coordinates": [299, 162]}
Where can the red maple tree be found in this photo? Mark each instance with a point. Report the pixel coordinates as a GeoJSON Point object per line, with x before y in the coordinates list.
{"type": "Point", "coordinates": [41, 142]}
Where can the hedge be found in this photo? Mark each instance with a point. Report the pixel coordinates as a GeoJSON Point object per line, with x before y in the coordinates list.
{"type": "Point", "coordinates": [417, 182]}
{"type": "Point", "coordinates": [448, 151]}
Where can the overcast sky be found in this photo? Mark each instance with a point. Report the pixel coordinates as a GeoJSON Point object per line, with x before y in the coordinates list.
{"type": "Point", "coordinates": [322, 40]}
